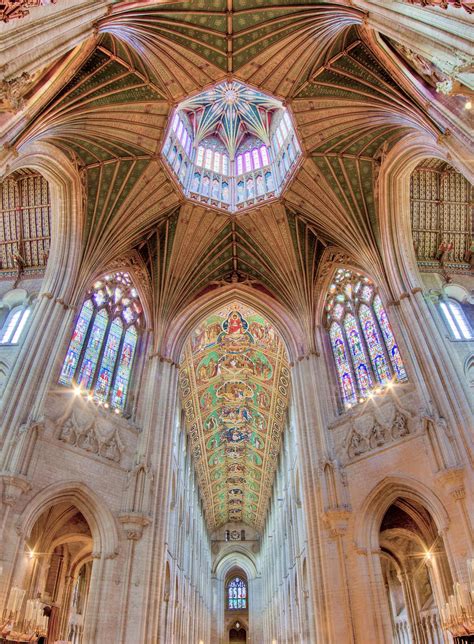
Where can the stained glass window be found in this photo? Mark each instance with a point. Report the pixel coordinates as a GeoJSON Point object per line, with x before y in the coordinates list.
{"type": "Point", "coordinates": [362, 340]}
{"type": "Point", "coordinates": [359, 359]}
{"type": "Point", "coordinates": [91, 355]}
{"type": "Point", "coordinates": [389, 338]}
{"type": "Point", "coordinates": [376, 352]}
{"type": "Point", "coordinates": [106, 371]}
{"type": "Point", "coordinates": [103, 345]}
{"type": "Point", "coordinates": [237, 594]}
{"type": "Point", "coordinates": [75, 346]}
{"type": "Point", "coordinates": [342, 364]}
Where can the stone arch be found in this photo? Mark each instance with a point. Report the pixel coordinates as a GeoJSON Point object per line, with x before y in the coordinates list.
{"type": "Point", "coordinates": [67, 213]}
{"type": "Point", "coordinates": [370, 515]}
{"type": "Point", "coordinates": [469, 370]}
{"type": "Point", "coordinates": [394, 204]}
{"type": "Point", "coordinates": [100, 519]}
{"type": "Point", "coordinates": [183, 324]}
{"type": "Point", "coordinates": [238, 557]}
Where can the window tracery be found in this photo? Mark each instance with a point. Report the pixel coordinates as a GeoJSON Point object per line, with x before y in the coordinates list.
{"type": "Point", "coordinates": [365, 352]}
{"type": "Point", "coordinates": [104, 342]}
{"type": "Point", "coordinates": [237, 594]}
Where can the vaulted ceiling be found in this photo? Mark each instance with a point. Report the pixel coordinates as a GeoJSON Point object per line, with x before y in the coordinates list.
{"type": "Point", "coordinates": [351, 104]}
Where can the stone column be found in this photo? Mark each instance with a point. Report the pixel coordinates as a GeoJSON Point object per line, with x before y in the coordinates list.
{"type": "Point", "coordinates": [310, 393]}
{"type": "Point", "coordinates": [152, 472]}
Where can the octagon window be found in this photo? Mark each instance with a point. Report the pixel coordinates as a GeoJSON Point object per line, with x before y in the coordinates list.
{"type": "Point", "coordinates": [231, 146]}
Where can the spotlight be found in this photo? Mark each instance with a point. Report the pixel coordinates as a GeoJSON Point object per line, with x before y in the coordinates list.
{"type": "Point", "coordinates": [468, 105]}
{"type": "Point", "coordinates": [77, 391]}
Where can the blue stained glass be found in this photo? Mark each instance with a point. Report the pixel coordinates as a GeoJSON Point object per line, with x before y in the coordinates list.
{"type": "Point", "coordinates": [377, 357]}
{"type": "Point", "coordinates": [75, 346]}
{"type": "Point", "coordinates": [91, 355]}
{"type": "Point", "coordinates": [106, 371]}
{"type": "Point", "coordinates": [392, 347]}
{"type": "Point", "coordinates": [122, 379]}
{"type": "Point", "coordinates": [237, 594]}
{"type": "Point", "coordinates": [359, 359]}
{"type": "Point", "coordinates": [342, 364]}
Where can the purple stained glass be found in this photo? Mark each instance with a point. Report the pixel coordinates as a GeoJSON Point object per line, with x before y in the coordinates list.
{"type": "Point", "coordinates": [75, 346]}
{"type": "Point", "coordinates": [359, 359]}
{"type": "Point", "coordinates": [389, 338]}
{"type": "Point", "coordinates": [109, 357]}
{"type": "Point", "coordinates": [342, 364]}
{"type": "Point", "coordinates": [122, 379]}
{"type": "Point", "coordinates": [91, 355]}
{"type": "Point", "coordinates": [376, 352]}
{"type": "Point", "coordinates": [237, 594]}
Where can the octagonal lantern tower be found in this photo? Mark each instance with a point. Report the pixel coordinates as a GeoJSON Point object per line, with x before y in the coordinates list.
{"type": "Point", "coordinates": [231, 147]}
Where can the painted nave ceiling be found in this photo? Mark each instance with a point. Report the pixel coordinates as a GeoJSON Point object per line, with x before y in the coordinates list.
{"type": "Point", "coordinates": [109, 105]}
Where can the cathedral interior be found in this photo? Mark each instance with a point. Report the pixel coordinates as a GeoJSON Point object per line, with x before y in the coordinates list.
{"type": "Point", "coordinates": [236, 322]}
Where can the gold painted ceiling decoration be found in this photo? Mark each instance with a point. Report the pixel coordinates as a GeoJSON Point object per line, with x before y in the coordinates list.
{"type": "Point", "coordinates": [235, 385]}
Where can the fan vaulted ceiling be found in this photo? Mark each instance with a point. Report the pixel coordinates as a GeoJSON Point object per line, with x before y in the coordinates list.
{"type": "Point", "coordinates": [108, 110]}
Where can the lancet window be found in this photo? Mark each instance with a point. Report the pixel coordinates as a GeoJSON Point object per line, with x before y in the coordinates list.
{"type": "Point", "coordinates": [365, 351]}
{"type": "Point", "coordinates": [237, 594]}
{"type": "Point", "coordinates": [100, 356]}
{"type": "Point", "coordinates": [456, 320]}
{"type": "Point", "coordinates": [14, 325]}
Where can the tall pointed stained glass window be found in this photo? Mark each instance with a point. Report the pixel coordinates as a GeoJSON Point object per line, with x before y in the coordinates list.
{"type": "Point", "coordinates": [103, 345]}
{"type": "Point", "coordinates": [237, 594]}
{"type": "Point", "coordinates": [346, 380]}
{"type": "Point", "coordinates": [365, 351]}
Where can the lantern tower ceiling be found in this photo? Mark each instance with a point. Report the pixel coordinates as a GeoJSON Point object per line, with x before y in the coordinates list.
{"type": "Point", "coordinates": [231, 146]}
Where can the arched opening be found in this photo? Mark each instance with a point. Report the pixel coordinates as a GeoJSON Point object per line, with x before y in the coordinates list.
{"type": "Point", "coordinates": [441, 216]}
{"type": "Point", "coordinates": [415, 572]}
{"type": "Point", "coordinates": [237, 634]}
{"type": "Point", "coordinates": [52, 598]}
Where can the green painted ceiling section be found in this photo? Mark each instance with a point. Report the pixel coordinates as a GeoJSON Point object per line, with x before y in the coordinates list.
{"type": "Point", "coordinates": [108, 185]}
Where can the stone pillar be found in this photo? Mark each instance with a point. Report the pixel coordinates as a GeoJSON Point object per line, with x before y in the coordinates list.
{"type": "Point", "coordinates": [147, 554]}
{"type": "Point", "coordinates": [29, 382]}
{"type": "Point", "coordinates": [310, 391]}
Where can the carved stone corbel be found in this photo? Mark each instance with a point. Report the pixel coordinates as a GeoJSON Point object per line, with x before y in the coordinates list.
{"type": "Point", "coordinates": [133, 524]}
{"type": "Point", "coordinates": [14, 485]}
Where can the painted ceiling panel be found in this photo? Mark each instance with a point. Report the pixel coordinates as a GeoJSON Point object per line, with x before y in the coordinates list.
{"type": "Point", "coordinates": [235, 386]}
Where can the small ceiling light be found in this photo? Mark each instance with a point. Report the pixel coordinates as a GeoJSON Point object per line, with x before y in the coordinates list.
{"type": "Point", "coordinates": [428, 555]}
{"type": "Point", "coordinates": [77, 391]}
{"type": "Point", "coordinates": [468, 105]}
